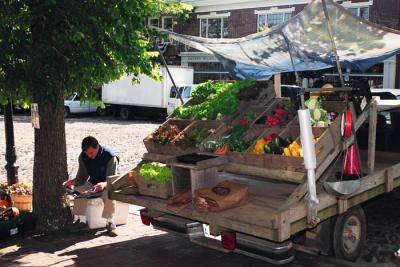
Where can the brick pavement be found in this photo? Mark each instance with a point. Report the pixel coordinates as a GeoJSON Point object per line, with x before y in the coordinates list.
{"type": "Point", "coordinates": [135, 245]}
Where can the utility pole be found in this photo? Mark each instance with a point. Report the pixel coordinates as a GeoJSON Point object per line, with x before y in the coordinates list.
{"type": "Point", "coordinates": [11, 157]}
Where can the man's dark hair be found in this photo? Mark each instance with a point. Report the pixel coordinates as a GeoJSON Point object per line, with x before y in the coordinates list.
{"type": "Point", "coordinates": [89, 141]}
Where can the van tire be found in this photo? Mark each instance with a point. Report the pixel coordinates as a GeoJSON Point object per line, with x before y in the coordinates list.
{"type": "Point", "coordinates": [349, 247]}
{"type": "Point", "coordinates": [125, 113]}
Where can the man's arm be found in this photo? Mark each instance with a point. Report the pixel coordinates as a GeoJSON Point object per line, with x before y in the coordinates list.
{"type": "Point", "coordinates": [82, 174]}
{"type": "Point", "coordinates": [112, 167]}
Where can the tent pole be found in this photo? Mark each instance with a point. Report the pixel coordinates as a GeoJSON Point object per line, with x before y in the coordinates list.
{"type": "Point", "coordinates": [334, 49]}
{"type": "Point", "coordinates": [295, 71]}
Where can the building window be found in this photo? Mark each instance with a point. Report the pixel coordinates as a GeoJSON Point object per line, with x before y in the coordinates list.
{"type": "Point", "coordinates": [266, 21]}
{"type": "Point", "coordinates": [214, 27]}
{"type": "Point", "coordinates": [168, 23]}
{"type": "Point", "coordinates": [154, 22]}
{"type": "Point", "coordinates": [362, 12]}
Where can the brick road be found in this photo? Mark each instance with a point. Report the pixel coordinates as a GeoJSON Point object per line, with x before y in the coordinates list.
{"type": "Point", "coordinates": [135, 245]}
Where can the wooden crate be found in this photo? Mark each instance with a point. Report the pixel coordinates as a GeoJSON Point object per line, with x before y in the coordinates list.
{"type": "Point", "coordinates": [218, 128]}
{"type": "Point", "coordinates": [167, 149]}
{"type": "Point", "coordinates": [328, 139]}
{"type": "Point", "coordinates": [258, 110]}
{"type": "Point", "coordinates": [255, 132]}
{"type": "Point", "coordinates": [153, 188]}
{"type": "Point", "coordinates": [185, 179]}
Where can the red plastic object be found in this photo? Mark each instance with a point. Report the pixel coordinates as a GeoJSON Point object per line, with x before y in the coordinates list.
{"type": "Point", "coordinates": [351, 165]}
{"type": "Point", "coordinates": [228, 240]}
{"type": "Point", "coordinates": [144, 216]}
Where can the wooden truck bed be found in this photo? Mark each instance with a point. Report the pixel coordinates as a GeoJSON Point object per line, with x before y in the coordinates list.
{"type": "Point", "coordinates": [268, 214]}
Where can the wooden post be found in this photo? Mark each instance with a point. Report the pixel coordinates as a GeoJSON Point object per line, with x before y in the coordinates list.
{"type": "Point", "coordinates": [372, 137]}
{"type": "Point", "coordinates": [277, 85]}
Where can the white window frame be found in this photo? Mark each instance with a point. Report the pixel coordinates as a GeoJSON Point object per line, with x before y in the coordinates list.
{"type": "Point", "coordinates": [272, 11]}
{"type": "Point", "coordinates": [163, 22]}
{"type": "Point", "coordinates": [347, 4]}
{"type": "Point", "coordinates": [213, 15]}
{"type": "Point", "coordinates": [151, 18]}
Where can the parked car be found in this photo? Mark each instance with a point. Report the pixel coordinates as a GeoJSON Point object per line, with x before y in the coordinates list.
{"type": "Point", "coordinates": [73, 105]}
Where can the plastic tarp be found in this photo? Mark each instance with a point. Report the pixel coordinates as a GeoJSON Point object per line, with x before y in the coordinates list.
{"type": "Point", "coordinates": [360, 44]}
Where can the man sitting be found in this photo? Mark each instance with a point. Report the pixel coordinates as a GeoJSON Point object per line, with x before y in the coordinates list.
{"type": "Point", "coordinates": [96, 163]}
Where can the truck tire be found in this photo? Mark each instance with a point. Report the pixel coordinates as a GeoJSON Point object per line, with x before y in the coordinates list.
{"type": "Point", "coordinates": [125, 113]}
{"type": "Point", "coordinates": [349, 234]}
{"type": "Point", "coordinates": [102, 112]}
{"type": "Point", "coordinates": [67, 112]}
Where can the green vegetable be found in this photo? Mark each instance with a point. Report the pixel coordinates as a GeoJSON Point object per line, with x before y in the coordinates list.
{"type": "Point", "coordinates": [156, 171]}
{"type": "Point", "coordinates": [207, 89]}
{"type": "Point", "coordinates": [223, 102]}
{"type": "Point", "coordinates": [267, 149]}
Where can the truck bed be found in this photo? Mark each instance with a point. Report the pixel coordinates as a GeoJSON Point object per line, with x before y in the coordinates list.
{"type": "Point", "coordinates": [267, 213]}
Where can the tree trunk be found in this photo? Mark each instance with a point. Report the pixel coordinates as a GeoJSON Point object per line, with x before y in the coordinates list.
{"type": "Point", "coordinates": [50, 164]}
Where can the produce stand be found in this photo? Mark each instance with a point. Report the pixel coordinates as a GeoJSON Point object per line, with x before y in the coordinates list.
{"type": "Point", "coordinates": [277, 207]}
{"type": "Point", "coordinates": [302, 192]}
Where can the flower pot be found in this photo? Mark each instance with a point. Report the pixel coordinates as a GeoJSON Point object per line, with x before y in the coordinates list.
{"type": "Point", "coordinates": [22, 202]}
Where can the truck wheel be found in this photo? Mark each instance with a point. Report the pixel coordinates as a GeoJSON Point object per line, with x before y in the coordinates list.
{"type": "Point", "coordinates": [125, 113]}
{"type": "Point", "coordinates": [67, 112]}
{"type": "Point", "coordinates": [101, 112]}
{"type": "Point", "coordinates": [349, 234]}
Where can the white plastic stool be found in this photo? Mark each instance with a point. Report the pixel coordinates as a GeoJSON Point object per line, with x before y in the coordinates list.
{"type": "Point", "coordinates": [95, 209]}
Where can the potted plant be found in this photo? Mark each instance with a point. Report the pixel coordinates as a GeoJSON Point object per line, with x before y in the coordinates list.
{"type": "Point", "coordinates": [21, 195]}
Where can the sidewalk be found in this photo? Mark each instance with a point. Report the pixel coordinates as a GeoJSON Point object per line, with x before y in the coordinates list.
{"type": "Point", "coordinates": [135, 245]}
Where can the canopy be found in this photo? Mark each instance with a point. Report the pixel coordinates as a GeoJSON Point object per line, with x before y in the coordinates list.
{"type": "Point", "coordinates": [360, 44]}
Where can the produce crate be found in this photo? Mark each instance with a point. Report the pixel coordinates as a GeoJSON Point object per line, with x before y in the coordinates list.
{"type": "Point", "coordinates": [167, 149]}
{"type": "Point", "coordinates": [153, 188]}
{"type": "Point", "coordinates": [257, 110]}
{"type": "Point", "coordinates": [254, 133]}
{"type": "Point", "coordinates": [328, 139]}
{"type": "Point", "coordinates": [218, 128]}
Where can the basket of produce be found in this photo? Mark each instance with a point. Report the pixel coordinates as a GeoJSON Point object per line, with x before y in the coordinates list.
{"type": "Point", "coordinates": [160, 142]}
{"type": "Point", "coordinates": [154, 179]}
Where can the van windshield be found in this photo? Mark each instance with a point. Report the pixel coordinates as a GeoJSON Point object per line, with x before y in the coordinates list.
{"type": "Point", "coordinates": [70, 98]}
{"type": "Point", "coordinates": [186, 92]}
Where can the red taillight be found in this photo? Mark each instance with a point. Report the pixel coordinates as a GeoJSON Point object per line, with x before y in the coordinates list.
{"type": "Point", "coordinates": [146, 219]}
{"type": "Point", "coordinates": [228, 240]}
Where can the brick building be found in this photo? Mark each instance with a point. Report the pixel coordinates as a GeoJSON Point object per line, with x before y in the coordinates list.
{"type": "Point", "coordinates": [238, 18]}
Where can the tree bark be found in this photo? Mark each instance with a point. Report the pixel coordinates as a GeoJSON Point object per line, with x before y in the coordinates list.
{"type": "Point", "coordinates": [50, 164]}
